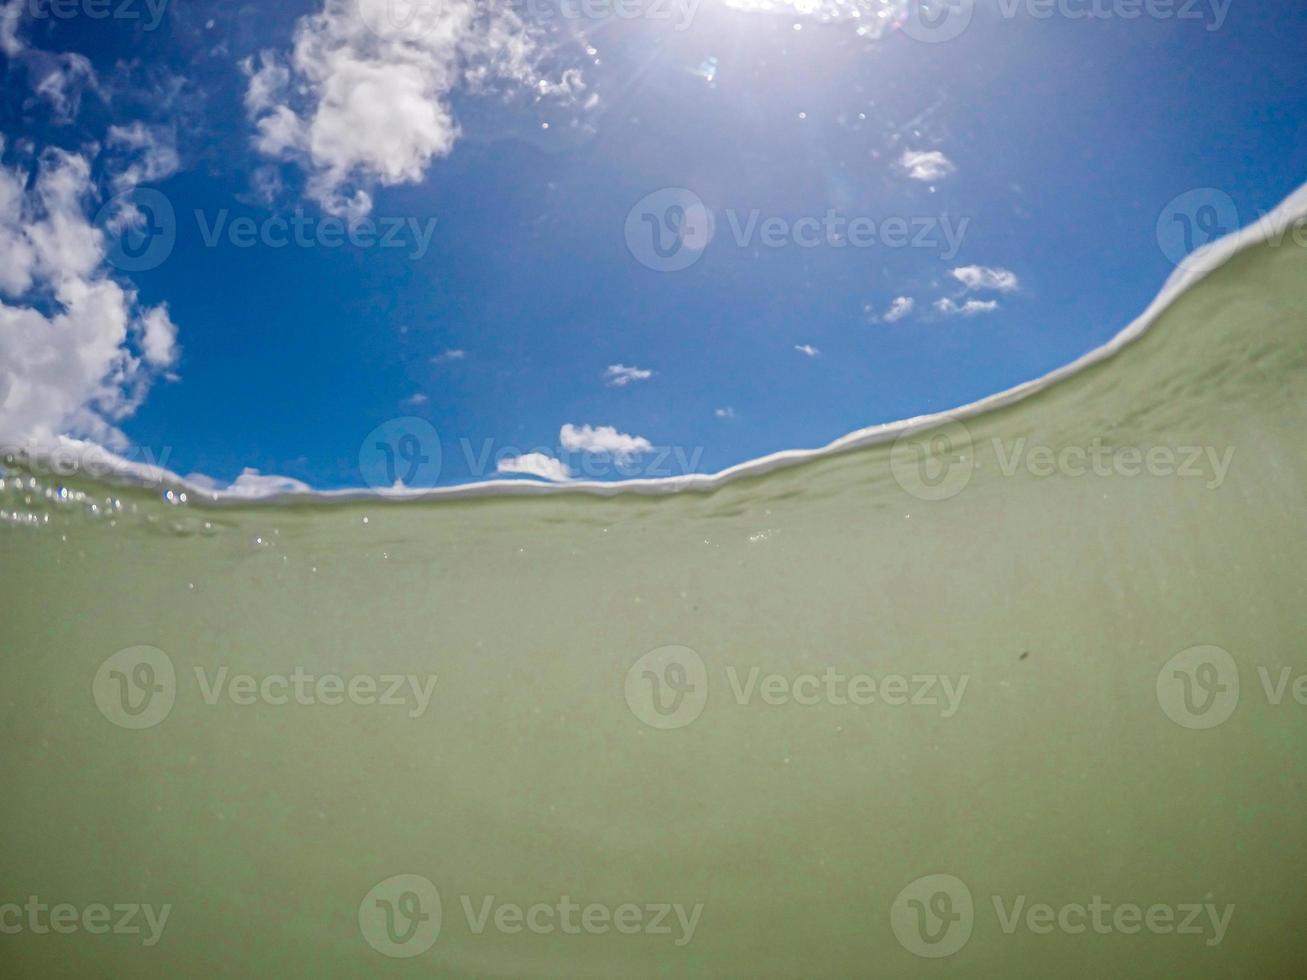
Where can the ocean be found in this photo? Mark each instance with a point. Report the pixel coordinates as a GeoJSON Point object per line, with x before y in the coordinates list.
{"type": "Point", "coordinates": [1019, 690]}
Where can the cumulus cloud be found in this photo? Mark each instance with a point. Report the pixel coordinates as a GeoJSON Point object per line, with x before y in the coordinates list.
{"type": "Point", "coordinates": [603, 440]}
{"type": "Point", "coordinates": [977, 277]}
{"type": "Point", "coordinates": [807, 350]}
{"type": "Point", "coordinates": [363, 97]}
{"type": "Point", "coordinates": [926, 165]}
{"type": "Point", "coordinates": [971, 307]}
{"type": "Point", "coordinates": [619, 375]}
{"type": "Point", "coordinates": [77, 351]}
{"type": "Point", "coordinates": [536, 464]}
{"type": "Point", "coordinates": [899, 308]}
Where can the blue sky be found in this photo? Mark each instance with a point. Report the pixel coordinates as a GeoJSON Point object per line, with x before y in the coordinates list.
{"type": "Point", "coordinates": [519, 307]}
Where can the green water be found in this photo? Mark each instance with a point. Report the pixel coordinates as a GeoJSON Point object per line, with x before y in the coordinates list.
{"type": "Point", "coordinates": [1030, 751]}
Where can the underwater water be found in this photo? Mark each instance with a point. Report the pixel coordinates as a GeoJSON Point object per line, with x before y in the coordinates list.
{"type": "Point", "coordinates": [1016, 695]}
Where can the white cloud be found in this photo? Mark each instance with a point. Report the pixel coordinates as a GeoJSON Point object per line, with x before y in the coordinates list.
{"type": "Point", "coordinates": [975, 277]}
{"type": "Point", "coordinates": [10, 14]}
{"type": "Point", "coordinates": [59, 79]}
{"type": "Point", "coordinates": [899, 308]}
{"type": "Point", "coordinates": [536, 464]}
{"type": "Point", "coordinates": [65, 77]}
{"type": "Point", "coordinates": [603, 440]}
{"type": "Point", "coordinates": [252, 483]}
{"type": "Point", "coordinates": [926, 165]}
{"type": "Point", "coordinates": [363, 97]}
{"type": "Point", "coordinates": [807, 350]}
{"type": "Point", "coordinates": [416, 400]}
{"type": "Point", "coordinates": [158, 337]}
{"type": "Point", "coordinates": [725, 413]}
{"type": "Point", "coordinates": [619, 375]}
{"type": "Point", "coordinates": [77, 351]}
{"type": "Point", "coordinates": [152, 151]}
{"type": "Point", "coordinates": [444, 357]}
{"type": "Point", "coordinates": [971, 307]}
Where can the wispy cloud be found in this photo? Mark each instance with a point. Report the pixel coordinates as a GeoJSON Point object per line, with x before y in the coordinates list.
{"type": "Point", "coordinates": [603, 440]}
{"type": "Point", "coordinates": [444, 357]}
{"type": "Point", "coordinates": [971, 307]}
{"type": "Point", "coordinates": [926, 165]}
{"type": "Point", "coordinates": [415, 400]}
{"type": "Point", "coordinates": [536, 464]}
{"type": "Point", "coordinates": [807, 350]}
{"type": "Point", "coordinates": [152, 152]}
{"type": "Point", "coordinates": [619, 375]}
{"type": "Point", "coordinates": [899, 308]}
{"type": "Point", "coordinates": [725, 413]}
{"type": "Point", "coordinates": [977, 277]}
